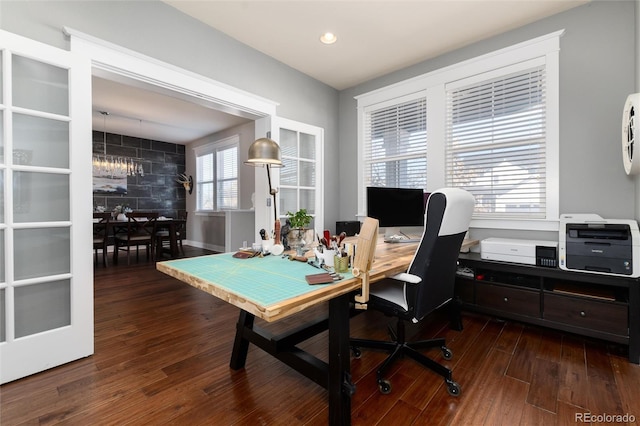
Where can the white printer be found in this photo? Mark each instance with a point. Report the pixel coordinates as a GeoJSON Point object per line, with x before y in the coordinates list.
{"type": "Point", "coordinates": [589, 243]}
{"type": "Point", "coordinates": [529, 252]}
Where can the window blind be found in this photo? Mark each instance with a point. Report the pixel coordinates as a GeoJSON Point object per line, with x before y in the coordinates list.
{"type": "Point", "coordinates": [395, 145]}
{"type": "Point", "coordinates": [495, 143]}
{"type": "Point", "coordinates": [227, 178]}
{"type": "Point", "coordinates": [204, 182]}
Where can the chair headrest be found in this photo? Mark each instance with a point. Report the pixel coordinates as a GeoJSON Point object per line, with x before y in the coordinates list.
{"type": "Point", "coordinates": [458, 209]}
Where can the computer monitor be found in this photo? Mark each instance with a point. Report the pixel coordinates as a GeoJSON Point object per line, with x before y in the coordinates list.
{"type": "Point", "coordinates": [397, 208]}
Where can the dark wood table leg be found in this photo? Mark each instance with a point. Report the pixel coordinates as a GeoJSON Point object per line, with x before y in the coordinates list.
{"type": "Point", "coordinates": [241, 344]}
{"type": "Point", "coordinates": [340, 387]}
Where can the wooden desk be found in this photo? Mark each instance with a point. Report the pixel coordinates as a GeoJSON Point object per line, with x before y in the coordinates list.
{"type": "Point", "coordinates": [253, 284]}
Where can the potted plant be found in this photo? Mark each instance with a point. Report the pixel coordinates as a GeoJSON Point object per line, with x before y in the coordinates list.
{"type": "Point", "coordinates": [298, 234]}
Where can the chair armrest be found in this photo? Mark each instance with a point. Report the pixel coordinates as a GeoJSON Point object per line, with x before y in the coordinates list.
{"type": "Point", "coordinates": [407, 278]}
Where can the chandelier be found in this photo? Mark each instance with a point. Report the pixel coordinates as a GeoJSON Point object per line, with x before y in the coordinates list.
{"type": "Point", "coordinates": [114, 166]}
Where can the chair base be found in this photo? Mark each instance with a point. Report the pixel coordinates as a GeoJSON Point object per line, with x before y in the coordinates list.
{"type": "Point", "coordinates": [399, 347]}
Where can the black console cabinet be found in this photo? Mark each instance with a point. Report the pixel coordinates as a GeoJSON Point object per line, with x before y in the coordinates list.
{"type": "Point", "coordinates": [601, 306]}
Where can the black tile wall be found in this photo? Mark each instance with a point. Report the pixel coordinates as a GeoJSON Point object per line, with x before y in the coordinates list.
{"type": "Point", "coordinates": [157, 190]}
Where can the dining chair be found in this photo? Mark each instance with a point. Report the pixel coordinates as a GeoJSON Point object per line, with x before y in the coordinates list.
{"type": "Point", "coordinates": [140, 230]}
{"type": "Point", "coordinates": [163, 236]}
{"type": "Point", "coordinates": [101, 235]}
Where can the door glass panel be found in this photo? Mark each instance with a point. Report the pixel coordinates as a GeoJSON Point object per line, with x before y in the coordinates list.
{"type": "Point", "coordinates": [40, 86]}
{"type": "Point", "coordinates": [289, 173]}
{"type": "Point", "coordinates": [2, 270]}
{"type": "Point", "coordinates": [1, 136]}
{"type": "Point", "coordinates": [288, 202]}
{"type": "Point", "coordinates": [307, 146]}
{"type": "Point", "coordinates": [40, 141]}
{"type": "Point", "coordinates": [1, 196]}
{"type": "Point", "coordinates": [34, 251]}
{"type": "Point", "coordinates": [3, 333]}
{"type": "Point", "coordinates": [307, 173]}
{"type": "Point", "coordinates": [289, 143]}
{"type": "Point", "coordinates": [41, 307]}
{"type": "Point", "coordinates": [308, 200]}
{"type": "Point", "coordinates": [40, 197]}
{"type": "Point", "coordinates": [1, 80]}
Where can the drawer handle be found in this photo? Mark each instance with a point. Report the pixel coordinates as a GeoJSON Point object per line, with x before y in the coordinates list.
{"type": "Point", "coordinates": [583, 314]}
{"type": "Point", "coordinates": [506, 300]}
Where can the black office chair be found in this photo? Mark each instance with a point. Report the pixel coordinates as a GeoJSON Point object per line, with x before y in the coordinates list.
{"type": "Point", "coordinates": [425, 287]}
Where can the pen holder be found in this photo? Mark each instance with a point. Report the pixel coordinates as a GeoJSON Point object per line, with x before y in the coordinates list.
{"type": "Point", "coordinates": [266, 246]}
{"type": "Point", "coordinates": [326, 256]}
{"type": "Point", "coordinates": [341, 263]}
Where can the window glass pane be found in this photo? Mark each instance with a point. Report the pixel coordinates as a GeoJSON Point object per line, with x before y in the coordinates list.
{"type": "Point", "coordinates": [227, 194]}
{"type": "Point", "coordinates": [307, 173]}
{"type": "Point", "coordinates": [40, 141]}
{"type": "Point", "coordinates": [227, 178]}
{"type": "Point", "coordinates": [40, 197]}
{"type": "Point", "coordinates": [42, 307]}
{"type": "Point", "coordinates": [496, 148]}
{"type": "Point", "coordinates": [33, 250]}
{"type": "Point", "coordinates": [205, 168]}
{"type": "Point", "coordinates": [307, 146]}
{"type": "Point", "coordinates": [289, 173]}
{"type": "Point", "coordinates": [308, 200]}
{"type": "Point", "coordinates": [288, 201]}
{"type": "Point", "coordinates": [205, 196]}
{"type": "Point", "coordinates": [288, 143]}
{"type": "Point", "coordinates": [40, 86]}
{"type": "Point", "coordinates": [396, 145]}
{"type": "Point", "coordinates": [1, 83]}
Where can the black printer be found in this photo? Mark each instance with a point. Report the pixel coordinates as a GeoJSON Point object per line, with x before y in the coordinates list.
{"type": "Point", "coordinates": [589, 243]}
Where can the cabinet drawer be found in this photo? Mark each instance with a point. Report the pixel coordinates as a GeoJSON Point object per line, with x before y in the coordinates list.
{"type": "Point", "coordinates": [509, 299]}
{"type": "Point", "coordinates": [603, 316]}
{"type": "Point", "coordinates": [464, 289]}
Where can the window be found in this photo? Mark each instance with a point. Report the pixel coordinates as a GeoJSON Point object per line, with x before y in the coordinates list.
{"type": "Point", "coordinates": [217, 175]}
{"type": "Point", "coordinates": [495, 145]}
{"type": "Point", "coordinates": [492, 129]}
{"type": "Point", "coordinates": [395, 153]}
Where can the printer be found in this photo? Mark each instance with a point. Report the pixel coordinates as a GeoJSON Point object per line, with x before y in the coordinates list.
{"type": "Point", "coordinates": [529, 252]}
{"type": "Point", "coordinates": [589, 243]}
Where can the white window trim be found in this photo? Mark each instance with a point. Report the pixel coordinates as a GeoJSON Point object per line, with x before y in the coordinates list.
{"type": "Point", "coordinates": [433, 84]}
{"type": "Point", "coordinates": [213, 148]}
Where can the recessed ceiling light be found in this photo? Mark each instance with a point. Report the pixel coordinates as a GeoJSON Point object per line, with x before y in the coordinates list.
{"type": "Point", "coordinates": [328, 38]}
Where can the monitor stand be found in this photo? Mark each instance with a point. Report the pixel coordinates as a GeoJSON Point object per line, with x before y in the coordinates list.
{"type": "Point", "coordinates": [395, 235]}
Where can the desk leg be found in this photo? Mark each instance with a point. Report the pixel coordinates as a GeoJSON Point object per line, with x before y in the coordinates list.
{"type": "Point", "coordinates": [240, 344]}
{"type": "Point", "coordinates": [340, 386]}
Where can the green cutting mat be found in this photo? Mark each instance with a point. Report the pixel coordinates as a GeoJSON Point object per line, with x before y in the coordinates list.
{"type": "Point", "coordinates": [265, 281]}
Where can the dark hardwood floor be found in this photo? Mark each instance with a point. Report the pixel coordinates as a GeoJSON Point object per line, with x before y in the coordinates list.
{"type": "Point", "coordinates": [162, 350]}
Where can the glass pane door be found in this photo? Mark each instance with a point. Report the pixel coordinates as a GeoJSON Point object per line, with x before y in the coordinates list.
{"type": "Point", "coordinates": [46, 280]}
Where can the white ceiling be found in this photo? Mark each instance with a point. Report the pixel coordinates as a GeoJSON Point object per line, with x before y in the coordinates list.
{"type": "Point", "coordinates": [374, 39]}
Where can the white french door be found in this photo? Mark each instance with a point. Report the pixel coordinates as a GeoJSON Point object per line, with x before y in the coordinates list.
{"type": "Point", "coordinates": [300, 182]}
{"type": "Point", "coordinates": [46, 268]}
{"type": "Point", "coordinates": [301, 179]}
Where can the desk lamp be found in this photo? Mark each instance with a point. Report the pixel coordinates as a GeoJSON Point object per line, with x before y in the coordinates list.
{"type": "Point", "coordinates": [266, 152]}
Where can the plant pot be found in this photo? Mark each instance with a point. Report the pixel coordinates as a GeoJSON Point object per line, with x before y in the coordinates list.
{"type": "Point", "coordinates": [300, 239]}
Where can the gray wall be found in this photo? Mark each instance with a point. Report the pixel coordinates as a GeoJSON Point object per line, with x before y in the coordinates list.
{"type": "Point", "coordinates": [160, 31]}
{"type": "Point", "coordinates": [597, 72]}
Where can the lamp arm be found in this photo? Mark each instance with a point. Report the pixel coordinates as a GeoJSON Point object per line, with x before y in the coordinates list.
{"type": "Point", "coordinates": [275, 214]}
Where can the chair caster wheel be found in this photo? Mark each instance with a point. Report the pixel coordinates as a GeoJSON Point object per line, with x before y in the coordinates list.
{"type": "Point", "coordinates": [453, 388]}
{"type": "Point", "coordinates": [357, 353]}
{"type": "Point", "coordinates": [384, 386]}
{"type": "Point", "coordinates": [446, 353]}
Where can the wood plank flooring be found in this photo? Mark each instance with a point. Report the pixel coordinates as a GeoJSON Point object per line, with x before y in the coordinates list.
{"type": "Point", "coordinates": [162, 351]}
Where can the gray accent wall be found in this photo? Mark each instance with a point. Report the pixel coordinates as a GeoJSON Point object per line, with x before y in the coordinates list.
{"type": "Point", "coordinates": [597, 72]}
